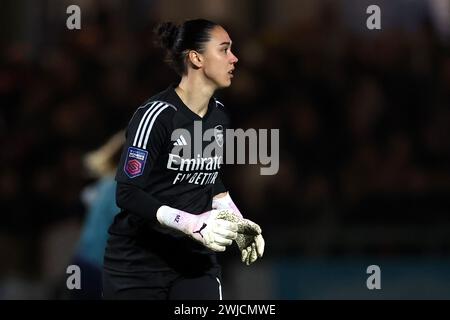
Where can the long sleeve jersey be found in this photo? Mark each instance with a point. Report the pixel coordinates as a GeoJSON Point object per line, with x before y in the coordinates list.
{"type": "Point", "coordinates": [166, 160]}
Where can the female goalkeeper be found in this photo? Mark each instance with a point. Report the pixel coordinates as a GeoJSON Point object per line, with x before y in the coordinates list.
{"type": "Point", "coordinates": [175, 211]}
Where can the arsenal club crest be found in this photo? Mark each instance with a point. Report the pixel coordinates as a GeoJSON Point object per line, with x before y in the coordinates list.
{"type": "Point", "coordinates": [218, 135]}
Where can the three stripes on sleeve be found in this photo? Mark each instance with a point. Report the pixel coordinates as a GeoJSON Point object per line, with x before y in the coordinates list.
{"type": "Point", "coordinates": [147, 121]}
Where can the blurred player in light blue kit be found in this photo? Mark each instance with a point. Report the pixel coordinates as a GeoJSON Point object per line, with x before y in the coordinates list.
{"type": "Point", "coordinates": [101, 209]}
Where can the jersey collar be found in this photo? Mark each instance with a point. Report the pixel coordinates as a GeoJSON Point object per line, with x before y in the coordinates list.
{"type": "Point", "coordinates": [185, 109]}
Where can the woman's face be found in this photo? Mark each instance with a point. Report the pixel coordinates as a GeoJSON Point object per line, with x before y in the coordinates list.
{"type": "Point", "coordinates": [219, 61]}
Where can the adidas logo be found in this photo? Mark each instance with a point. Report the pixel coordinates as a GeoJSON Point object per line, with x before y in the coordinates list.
{"type": "Point", "coordinates": [180, 141]}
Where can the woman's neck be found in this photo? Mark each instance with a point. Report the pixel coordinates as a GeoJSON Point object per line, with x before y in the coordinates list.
{"type": "Point", "coordinates": [195, 94]}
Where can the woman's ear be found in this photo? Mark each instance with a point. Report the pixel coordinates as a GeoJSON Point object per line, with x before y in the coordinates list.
{"type": "Point", "coordinates": [195, 59]}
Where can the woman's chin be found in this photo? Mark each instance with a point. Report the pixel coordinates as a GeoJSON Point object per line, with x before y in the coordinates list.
{"type": "Point", "coordinates": [223, 84]}
{"type": "Point", "coordinates": [227, 83]}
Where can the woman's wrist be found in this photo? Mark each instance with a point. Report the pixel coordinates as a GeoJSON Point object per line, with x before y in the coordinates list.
{"type": "Point", "coordinates": [225, 202]}
{"type": "Point", "coordinates": [174, 218]}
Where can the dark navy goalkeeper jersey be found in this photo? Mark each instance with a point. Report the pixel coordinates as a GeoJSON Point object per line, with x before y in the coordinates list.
{"type": "Point", "coordinates": [152, 173]}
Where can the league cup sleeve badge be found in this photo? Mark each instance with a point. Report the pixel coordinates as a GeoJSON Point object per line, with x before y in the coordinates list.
{"type": "Point", "coordinates": [135, 162]}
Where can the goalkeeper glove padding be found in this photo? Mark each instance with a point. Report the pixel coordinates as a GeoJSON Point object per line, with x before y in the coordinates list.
{"type": "Point", "coordinates": [249, 239]}
{"type": "Point", "coordinates": [206, 228]}
{"type": "Point", "coordinates": [253, 251]}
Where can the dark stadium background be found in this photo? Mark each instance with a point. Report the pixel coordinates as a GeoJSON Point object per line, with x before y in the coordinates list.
{"type": "Point", "coordinates": [364, 119]}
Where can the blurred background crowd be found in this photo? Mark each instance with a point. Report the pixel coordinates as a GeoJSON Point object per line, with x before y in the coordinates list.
{"type": "Point", "coordinates": [364, 119]}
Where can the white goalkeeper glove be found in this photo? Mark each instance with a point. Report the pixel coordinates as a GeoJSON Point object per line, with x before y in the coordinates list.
{"type": "Point", "coordinates": [249, 239]}
{"type": "Point", "coordinates": [254, 251]}
{"type": "Point", "coordinates": [206, 228]}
